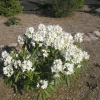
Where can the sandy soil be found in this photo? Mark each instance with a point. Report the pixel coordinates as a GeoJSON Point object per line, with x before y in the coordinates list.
{"type": "Point", "coordinates": [85, 87]}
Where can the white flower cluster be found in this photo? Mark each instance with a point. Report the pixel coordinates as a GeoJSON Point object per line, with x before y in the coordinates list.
{"type": "Point", "coordinates": [73, 54]}
{"type": "Point", "coordinates": [79, 37]}
{"type": "Point", "coordinates": [66, 69]}
{"type": "Point", "coordinates": [57, 66]}
{"type": "Point", "coordinates": [43, 84]}
{"type": "Point", "coordinates": [20, 39]}
{"type": "Point", "coordinates": [46, 37]}
{"type": "Point", "coordinates": [11, 63]}
{"type": "Point", "coordinates": [27, 66]}
{"type": "Point", "coordinates": [49, 36]}
{"type": "Point", "coordinates": [8, 69]}
{"type": "Point", "coordinates": [45, 53]}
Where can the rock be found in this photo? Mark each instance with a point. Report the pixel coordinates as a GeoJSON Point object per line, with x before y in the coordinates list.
{"type": "Point", "coordinates": [92, 36]}
{"type": "Point", "coordinates": [1, 46]}
{"type": "Point", "coordinates": [12, 45]}
{"type": "Point", "coordinates": [97, 33]}
{"type": "Point", "coordinates": [86, 38]}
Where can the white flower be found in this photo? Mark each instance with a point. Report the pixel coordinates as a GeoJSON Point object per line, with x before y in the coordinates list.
{"type": "Point", "coordinates": [62, 40]}
{"type": "Point", "coordinates": [49, 28]}
{"type": "Point", "coordinates": [20, 39]}
{"type": "Point", "coordinates": [57, 29]}
{"type": "Point", "coordinates": [27, 66]}
{"type": "Point", "coordinates": [57, 66]}
{"type": "Point", "coordinates": [45, 53]}
{"type": "Point", "coordinates": [38, 85]}
{"type": "Point", "coordinates": [57, 62]}
{"type": "Point", "coordinates": [79, 66]}
{"type": "Point", "coordinates": [17, 63]}
{"type": "Point", "coordinates": [37, 37]}
{"type": "Point", "coordinates": [28, 56]}
{"type": "Point", "coordinates": [78, 37]}
{"type": "Point", "coordinates": [56, 75]}
{"type": "Point", "coordinates": [33, 43]}
{"type": "Point", "coordinates": [5, 54]}
{"type": "Point", "coordinates": [44, 84]}
{"type": "Point", "coordinates": [8, 60]}
{"type": "Point", "coordinates": [49, 38]}
{"type": "Point", "coordinates": [68, 69]}
{"type": "Point", "coordinates": [73, 54]}
{"type": "Point", "coordinates": [16, 55]}
{"type": "Point", "coordinates": [40, 44]}
{"type": "Point", "coordinates": [41, 27]}
{"type": "Point", "coordinates": [29, 32]}
{"type": "Point", "coordinates": [8, 70]}
{"type": "Point", "coordinates": [52, 82]}
{"type": "Point", "coordinates": [85, 55]}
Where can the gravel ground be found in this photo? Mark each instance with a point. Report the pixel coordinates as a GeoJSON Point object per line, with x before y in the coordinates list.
{"type": "Point", "coordinates": [85, 87]}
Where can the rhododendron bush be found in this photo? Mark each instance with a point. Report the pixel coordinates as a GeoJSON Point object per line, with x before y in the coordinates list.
{"type": "Point", "coordinates": [48, 56]}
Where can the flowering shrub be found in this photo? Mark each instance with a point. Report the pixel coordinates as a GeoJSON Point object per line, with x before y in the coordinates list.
{"type": "Point", "coordinates": [49, 56]}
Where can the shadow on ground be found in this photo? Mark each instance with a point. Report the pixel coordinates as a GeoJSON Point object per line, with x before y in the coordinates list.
{"type": "Point", "coordinates": [94, 9]}
{"type": "Point", "coordinates": [44, 9]}
{"type": "Point", "coordinates": [40, 9]}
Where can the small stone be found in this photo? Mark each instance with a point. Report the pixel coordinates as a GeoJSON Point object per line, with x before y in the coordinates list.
{"type": "Point", "coordinates": [12, 44]}
{"type": "Point", "coordinates": [14, 94]}
{"type": "Point", "coordinates": [1, 46]}
{"type": "Point", "coordinates": [29, 97]}
{"type": "Point", "coordinates": [92, 36]}
{"type": "Point", "coordinates": [86, 38]}
{"type": "Point", "coordinates": [97, 33]}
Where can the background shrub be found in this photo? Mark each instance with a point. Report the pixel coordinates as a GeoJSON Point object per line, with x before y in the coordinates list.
{"type": "Point", "coordinates": [10, 7]}
{"type": "Point", "coordinates": [63, 8]}
{"type": "Point", "coordinates": [79, 4]}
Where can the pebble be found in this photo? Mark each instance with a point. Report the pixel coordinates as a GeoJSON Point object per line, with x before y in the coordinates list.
{"type": "Point", "coordinates": [92, 36]}
{"type": "Point", "coordinates": [86, 38]}
{"type": "Point", "coordinates": [97, 33]}
{"type": "Point", "coordinates": [1, 46]}
{"type": "Point", "coordinates": [12, 44]}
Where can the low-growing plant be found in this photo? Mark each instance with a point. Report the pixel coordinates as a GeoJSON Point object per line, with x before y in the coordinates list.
{"type": "Point", "coordinates": [49, 56]}
{"type": "Point", "coordinates": [12, 21]}
{"type": "Point", "coordinates": [10, 7]}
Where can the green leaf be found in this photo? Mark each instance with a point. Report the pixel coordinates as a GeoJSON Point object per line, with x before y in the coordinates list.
{"type": "Point", "coordinates": [33, 53]}
{"type": "Point", "coordinates": [49, 90]}
{"type": "Point", "coordinates": [43, 96]}
{"type": "Point", "coordinates": [78, 71]}
{"type": "Point", "coordinates": [10, 82]}
{"type": "Point", "coordinates": [32, 89]}
{"type": "Point", "coordinates": [52, 88]}
{"type": "Point", "coordinates": [27, 87]}
{"type": "Point", "coordinates": [39, 96]}
{"type": "Point", "coordinates": [47, 93]}
{"type": "Point", "coordinates": [84, 65]}
{"type": "Point", "coordinates": [36, 73]}
{"type": "Point", "coordinates": [70, 78]}
{"type": "Point", "coordinates": [57, 80]}
{"type": "Point", "coordinates": [17, 76]}
{"type": "Point", "coordinates": [68, 81]}
{"type": "Point", "coordinates": [6, 80]}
